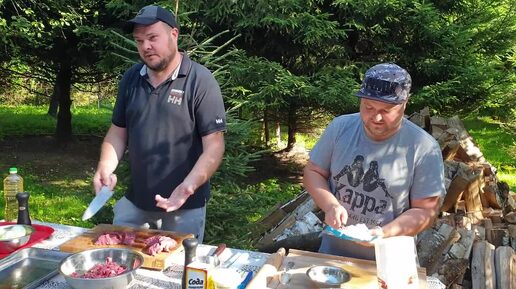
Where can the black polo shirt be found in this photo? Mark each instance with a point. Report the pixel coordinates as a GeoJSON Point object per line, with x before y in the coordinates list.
{"type": "Point", "coordinates": [164, 129]}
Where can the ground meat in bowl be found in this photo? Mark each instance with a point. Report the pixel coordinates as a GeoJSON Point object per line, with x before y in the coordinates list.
{"type": "Point", "coordinates": [102, 270]}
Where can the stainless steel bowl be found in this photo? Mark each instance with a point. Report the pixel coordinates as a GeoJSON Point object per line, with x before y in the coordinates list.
{"type": "Point", "coordinates": [83, 261]}
{"type": "Point", "coordinates": [14, 236]}
{"type": "Point", "coordinates": [328, 276]}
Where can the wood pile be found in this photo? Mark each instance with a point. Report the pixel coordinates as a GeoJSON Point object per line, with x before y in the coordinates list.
{"type": "Point", "coordinates": [473, 242]}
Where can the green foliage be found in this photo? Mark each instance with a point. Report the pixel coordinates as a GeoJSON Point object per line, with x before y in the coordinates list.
{"type": "Point", "coordinates": [233, 212]}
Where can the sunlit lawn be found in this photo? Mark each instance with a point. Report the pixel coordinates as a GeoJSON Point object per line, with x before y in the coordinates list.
{"type": "Point", "coordinates": [498, 144]}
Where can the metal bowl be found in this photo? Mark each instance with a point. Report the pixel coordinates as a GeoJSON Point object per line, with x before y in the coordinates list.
{"type": "Point", "coordinates": [81, 262]}
{"type": "Point", "coordinates": [328, 276]}
{"type": "Point", "coordinates": [14, 236]}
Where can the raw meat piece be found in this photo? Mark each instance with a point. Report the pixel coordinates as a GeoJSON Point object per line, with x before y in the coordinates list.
{"type": "Point", "coordinates": [157, 244]}
{"type": "Point", "coordinates": [111, 238]}
{"type": "Point", "coordinates": [151, 240]}
{"type": "Point", "coordinates": [103, 270]}
{"type": "Point", "coordinates": [116, 238]}
{"type": "Point", "coordinates": [167, 243]}
{"type": "Point", "coordinates": [129, 238]}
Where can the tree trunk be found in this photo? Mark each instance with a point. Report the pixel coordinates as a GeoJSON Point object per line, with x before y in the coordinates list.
{"type": "Point", "coordinates": [266, 133]}
{"type": "Point", "coordinates": [292, 128]}
{"type": "Point", "coordinates": [64, 116]}
{"type": "Point", "coordinates": [278, 134]}
{"type": "Point", "coordinates": [54, 102]}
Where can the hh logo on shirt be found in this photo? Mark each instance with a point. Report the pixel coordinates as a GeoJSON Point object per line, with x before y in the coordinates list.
{"type": "Point", "coordinates": [175, 96]}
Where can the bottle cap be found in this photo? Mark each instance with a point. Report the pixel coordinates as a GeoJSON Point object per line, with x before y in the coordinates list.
{"type": "Point", "coordinates": [13, 170]}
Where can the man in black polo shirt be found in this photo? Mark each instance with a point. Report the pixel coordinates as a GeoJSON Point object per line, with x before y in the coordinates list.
{"type": "Point", "coordinates": [170, 115]}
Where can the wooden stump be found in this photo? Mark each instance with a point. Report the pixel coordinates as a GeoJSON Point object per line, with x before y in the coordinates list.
{"type": "Point", "coordinates": [482, 266]}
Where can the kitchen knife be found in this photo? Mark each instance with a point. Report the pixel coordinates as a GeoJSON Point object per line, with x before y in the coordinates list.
{"type": "Point", "coordinates": [100, 199]}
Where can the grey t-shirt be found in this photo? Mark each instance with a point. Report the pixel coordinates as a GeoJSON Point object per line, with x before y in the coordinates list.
{"type": "Point", "coordinates": [375, 180]}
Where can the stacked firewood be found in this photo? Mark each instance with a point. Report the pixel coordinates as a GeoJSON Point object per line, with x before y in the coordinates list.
{"type": "Point", "coordinates": [473, 243]}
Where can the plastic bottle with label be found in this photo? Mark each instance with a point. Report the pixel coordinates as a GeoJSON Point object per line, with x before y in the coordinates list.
{"type": "Point", "coordinates": [13, 184]}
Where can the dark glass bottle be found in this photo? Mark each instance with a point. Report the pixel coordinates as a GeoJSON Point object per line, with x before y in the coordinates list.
{"type": "Point", "coordinates": [190, 246]}
{"type": "Point", "coordinates": [23, 208]}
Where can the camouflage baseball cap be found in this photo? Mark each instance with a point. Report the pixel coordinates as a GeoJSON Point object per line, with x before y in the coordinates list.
{"type": "Point", "coordinates": [386, 82]}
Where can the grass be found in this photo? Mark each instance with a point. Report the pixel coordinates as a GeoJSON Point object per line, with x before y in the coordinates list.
{"type": "Point", "coordinates": [34, 120]}
{"type": "Point", "coordinates": [497, 142]}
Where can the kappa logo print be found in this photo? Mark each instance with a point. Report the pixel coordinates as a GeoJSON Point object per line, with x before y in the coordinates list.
{"type": "Point", "coordinates": [362, 191]}
{"type": "Point", "coordinates": [175, 96]}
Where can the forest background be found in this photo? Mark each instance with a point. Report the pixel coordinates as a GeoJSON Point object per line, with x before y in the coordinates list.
{"type": "Point", "coordinates": [286, 68]}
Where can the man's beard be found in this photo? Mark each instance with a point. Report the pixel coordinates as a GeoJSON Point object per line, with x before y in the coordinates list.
{"type": "Point", "coordinates": [160, 66]}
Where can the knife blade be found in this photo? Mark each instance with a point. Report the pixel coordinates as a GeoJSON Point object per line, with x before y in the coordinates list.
{"type": "Point", "coordinates": [100, 199]}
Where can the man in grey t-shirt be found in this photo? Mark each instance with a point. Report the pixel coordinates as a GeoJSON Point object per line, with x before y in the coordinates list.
{"type": "Point", "coordinates": [376, 167]}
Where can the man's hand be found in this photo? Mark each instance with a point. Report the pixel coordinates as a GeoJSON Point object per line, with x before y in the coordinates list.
{"type": "Point", "coordinates": [176, 199]}
{"type": "Point", "coordinates": [104, 178]}
{"type": "Point", "coordinates": [336, 216]}
{"type": "Point", "coordinates": [377, 232]}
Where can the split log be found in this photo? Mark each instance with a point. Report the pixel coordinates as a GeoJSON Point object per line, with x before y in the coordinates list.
{"type": "Point", "coordinates": [431, 246]}
{"type": "Point", "coordinates": [462, 248]}
{"type": "Point", "coordinates": [450, 149]}
{"type": "Point", "coordinates": [512, 267]}
{"type": "Point", "coordinates": [508, 202]}
{"type": "Point", "coordinates": [457, 259]}
{"type": "Point", "coordinates": [279, 212]}
{"type": "Point", "coordinates": [417, 119]}
{"type": "Point", "coordinates": [462, 221]}
{"type": "Point", "coordinates": [496, 216]}
{"type": "Point", "coordinates": [491, 196]}
{"type": "Point", "coordinates": [500, 237]}
{"type": "Point", "coordinates": [479, 231]}
{"type": "Point", "coordinates": [482, 266]}
{"type": "Point", "coordinates": [503, 257]}
{"type": "Point", "coordinates": [451, 270]}
{"type": "Point", "coordinates": [437, 131]}
{"type": "Point", "coordinates": [510, 218]}
{"type": "Point", "coordinates": [440, 122]}
{"type": "Point", "coordinates": [512, 235]}
{"type": "Point", "coordinates": [461, 180]}
{"type": "Point", "coordinates": [472, 195]}
{"type": "Point", "coordinates": [299, 221]}
{"type": "Point", "coordinates": [488, 225]}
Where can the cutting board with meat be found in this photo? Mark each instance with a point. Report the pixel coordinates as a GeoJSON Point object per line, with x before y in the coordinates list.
{"type": "Point", "coordinates": [157, 247]}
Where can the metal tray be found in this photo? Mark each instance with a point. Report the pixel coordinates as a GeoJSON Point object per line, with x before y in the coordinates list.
{"type": "Point", "coordinates": [29, 267]}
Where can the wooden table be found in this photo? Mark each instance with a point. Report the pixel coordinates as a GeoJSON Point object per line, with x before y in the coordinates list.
{"type": "Point", "coordinates": [363, 272]}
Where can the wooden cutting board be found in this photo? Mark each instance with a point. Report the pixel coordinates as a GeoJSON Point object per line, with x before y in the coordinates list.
{"type": "Point", "coordinates": [159, 261]}
{"type": "Point", "coordinates": [363, 272]}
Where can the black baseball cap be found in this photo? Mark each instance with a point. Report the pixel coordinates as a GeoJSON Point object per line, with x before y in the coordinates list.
{"type": "Point", "coordinates": [386, 82]}
{"type": "Point", "coordinates": [149, 15]}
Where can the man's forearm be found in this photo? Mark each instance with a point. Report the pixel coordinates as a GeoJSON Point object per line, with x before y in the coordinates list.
{"type": "Point", "coordinates": [317, 186]}
{"type": "Point", "coordinates": [410, 223]}
{"type": "Point", "coordinates": [208, 162]}
{"type": "Point", "coordinates": [112, 149]}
